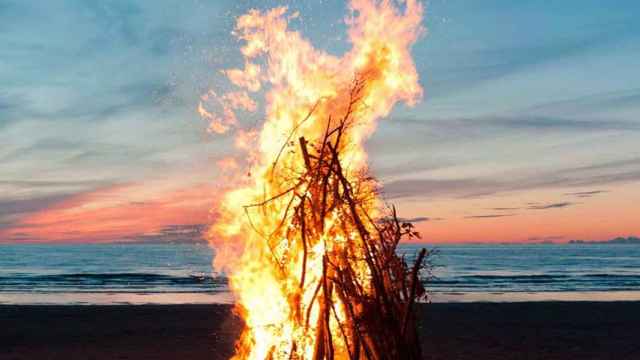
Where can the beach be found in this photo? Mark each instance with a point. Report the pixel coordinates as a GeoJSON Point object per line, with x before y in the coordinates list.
{"type": "Point", "coordinates": [525, 330]}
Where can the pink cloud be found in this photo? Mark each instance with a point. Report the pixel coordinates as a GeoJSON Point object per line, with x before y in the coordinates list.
{"type": "Point", "coordinates": [117, 212]}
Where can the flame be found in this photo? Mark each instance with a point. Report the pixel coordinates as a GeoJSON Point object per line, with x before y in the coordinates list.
{"type": "Point", "coordinates": [304, 89]}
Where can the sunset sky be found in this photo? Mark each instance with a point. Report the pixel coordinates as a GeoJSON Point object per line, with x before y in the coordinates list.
{"type": "Point", "coordinates": [528, 130]}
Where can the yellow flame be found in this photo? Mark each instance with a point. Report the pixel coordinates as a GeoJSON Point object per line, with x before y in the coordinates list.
{"type": "Point", "coordinates": [297, 78]}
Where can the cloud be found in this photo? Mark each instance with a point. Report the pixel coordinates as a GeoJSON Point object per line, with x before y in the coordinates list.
{"type": "Point", "coordinates": [606, 173]}
{"type": "Point", "coordinates": [118, 212]}
{"type": "Point", "coordinates": [23, 206]}
{"type": "Point", "coordinates": [418, 219]}
{"type": "Point", "coordinates": [478, 65]}
{"type": "Point", "coordinates": [546, 238]}
{"type": "Point", "coordinates": [407, 146]}
{"type": "Point", "coordinates": [551, 206]}
{"type": "Point", "coordinates": [48, 183]}
{"type": "Point", "coordinates": [589, 104]}
{"type": "Point", "coordinates": [489, 216]}
{"type": "Point", "coordinates": [12, 107]}
{"type": "Point", "coordinates": [488, 125]}
{"type": "Point", "coordinates": [542, 123]}
{"type": "Point", "coordinates": [432, 187]}
{"type": "Point", "coordinates": [104, 103]}
{"type": "Point", "coordinates": [633, 163]}
{"type": "Point", "coordinates": [12, 211]}
{"type": "Point", "coordinates": [107, 96]}
{"type": "Point", "coordinates": [174, 234]}
{"type": "Point", "coordinates": [585, 194]}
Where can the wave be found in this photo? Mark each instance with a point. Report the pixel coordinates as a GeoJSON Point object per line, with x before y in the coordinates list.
{"type": "Point", "coordinates": [111, 280]}
{"type": "Point", "coordinates": [542, 277]}
{"type": "Point", "coordinates": [515, 279]}
{"type": "Point", "coordinates": [536, 282]}
{"type": "Point", "coordinates": [621, 276]}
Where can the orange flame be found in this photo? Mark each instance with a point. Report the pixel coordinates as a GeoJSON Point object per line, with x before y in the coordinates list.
{"type": "Point", "coordinates": [297, 78]}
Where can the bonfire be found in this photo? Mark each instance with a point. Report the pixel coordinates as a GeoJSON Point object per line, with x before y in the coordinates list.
{"type": "Point", "coordinates": [308, 243]}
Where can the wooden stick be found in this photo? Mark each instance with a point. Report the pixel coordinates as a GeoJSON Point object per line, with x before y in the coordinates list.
{"type": "Point", "coordinates": [414, 281]}
{"type": "Point", "coordinates": [305, 152]}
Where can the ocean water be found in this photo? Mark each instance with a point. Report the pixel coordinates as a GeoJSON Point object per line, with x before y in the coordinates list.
{"type": "Point", "coordinates": [121, 273]}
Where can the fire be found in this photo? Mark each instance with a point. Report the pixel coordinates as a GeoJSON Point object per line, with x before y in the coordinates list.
{"type": "Point", "coordinates": [270, 235]}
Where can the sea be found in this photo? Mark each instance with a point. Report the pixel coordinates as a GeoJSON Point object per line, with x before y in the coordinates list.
{"type": "Point", "coordinates": [181, 274]}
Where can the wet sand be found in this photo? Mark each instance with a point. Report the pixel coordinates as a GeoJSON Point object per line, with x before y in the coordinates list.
{"type": "Point", "coordinates": [539, 330]}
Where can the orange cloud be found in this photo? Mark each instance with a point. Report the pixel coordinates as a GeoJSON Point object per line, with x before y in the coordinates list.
{"type": "Point", "coordinates": [129, 211]}
{"type": "Point", "coordinates": [118, 212]}
{"type": "Point", "coordinates": [558, 215]}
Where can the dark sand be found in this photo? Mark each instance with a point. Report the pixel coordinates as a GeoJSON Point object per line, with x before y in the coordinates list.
{"type": "Point", "coordinates": [450, 331]}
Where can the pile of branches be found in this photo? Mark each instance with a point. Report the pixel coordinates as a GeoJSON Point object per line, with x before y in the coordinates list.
{"type": "Point", "coordinates": [376, 287]}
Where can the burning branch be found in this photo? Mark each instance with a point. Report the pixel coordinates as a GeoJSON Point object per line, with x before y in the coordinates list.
{"type": "Point", "coordinates": [363, 292]}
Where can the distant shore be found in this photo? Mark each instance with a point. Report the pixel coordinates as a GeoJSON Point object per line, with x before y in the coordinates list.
{"type": "Point", "coordinates": [539, 330]}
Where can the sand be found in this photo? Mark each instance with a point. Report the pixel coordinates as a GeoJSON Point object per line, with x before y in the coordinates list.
{"type": "Point", "coordinates": [542, 330]}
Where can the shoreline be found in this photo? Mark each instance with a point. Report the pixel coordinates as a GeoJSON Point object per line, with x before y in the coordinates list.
{"type": "Point", "coordinates": [492, 331]}
{"type": "Point", "coordinates": [215, 298]}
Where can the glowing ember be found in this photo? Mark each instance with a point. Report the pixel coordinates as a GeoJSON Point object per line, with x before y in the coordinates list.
{"type": "Point", "coordinates": [306, 257]}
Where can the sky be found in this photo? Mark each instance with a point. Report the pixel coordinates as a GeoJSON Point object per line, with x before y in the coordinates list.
{"type": "Point", "coordinates": [527, 132]}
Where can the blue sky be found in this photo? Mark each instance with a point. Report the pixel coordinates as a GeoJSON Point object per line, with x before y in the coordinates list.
{"type": "Point", "coordinates": [523, 100]}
